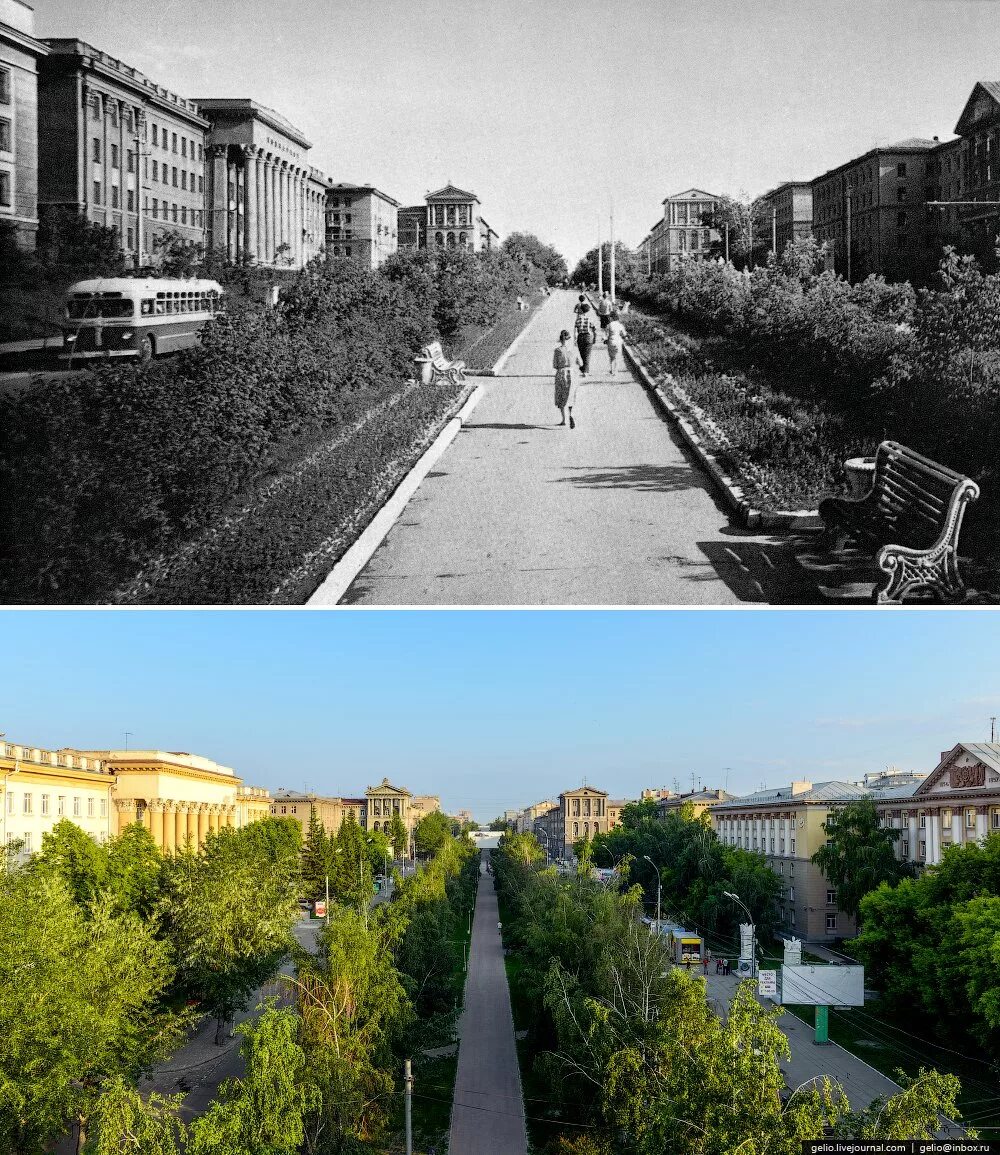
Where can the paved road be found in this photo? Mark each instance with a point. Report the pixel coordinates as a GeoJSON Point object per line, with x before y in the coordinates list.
{"type": "Point", "coordinates": [488, 1113]}
{"type": "Point", "coordinates": [522, 512]}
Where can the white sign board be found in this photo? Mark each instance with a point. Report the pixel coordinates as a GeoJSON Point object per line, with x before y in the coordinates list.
{"type": "Point", "coordinates": [823, 986]}
{"type": "Point", "coordinates": [767, 984]}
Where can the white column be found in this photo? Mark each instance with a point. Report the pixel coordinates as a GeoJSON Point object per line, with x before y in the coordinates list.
{"type": "Point", "coordinates": [982, 818]}
{"type": "Point", "coordinates": [260, 187]}
{"type": "Point", "coordinates": [911, 822]}
{"type": "Point", "coordinates": [934, 823]}
{"type": "Point", "coordinates": [957, 825]}
{"type": "Point", "coordinates": [273, 231]}
{"type": "Point", "coordinates": [281, 225]}
{"type": "Point", "coordinates": [250, 202]}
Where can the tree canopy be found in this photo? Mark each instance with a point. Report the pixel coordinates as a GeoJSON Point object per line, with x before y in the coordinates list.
{"type": "Point", "coordinates": [526, 249]}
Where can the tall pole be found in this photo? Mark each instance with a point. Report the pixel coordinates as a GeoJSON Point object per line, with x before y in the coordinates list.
{"type": "Point", "coordinates": [750, 254]}
{"type": "Point", "coordinates": [139, 158]}
{"type": "Point", "coordinates": [327, 919]}
{"type": "Point", "coordinates": [727, 242]}
{"type": "Point", "coordinates": [613, 298]}
{"type": "Point", "coordinates": [600, 261]}
{"type": "Point", "coordinates": [658, 890]}
{"type": "Point", "coordinates": [849, 191]}
{"type": "Point", "coordinates": [774, 230]}
{"type": "Point", "coordinates": [408, 1085]}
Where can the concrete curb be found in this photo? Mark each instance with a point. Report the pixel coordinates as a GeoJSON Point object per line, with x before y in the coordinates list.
{"type": "Point", "coordinates": [339, 579]}
{"type": "Point", "coordinates": [732, 494]}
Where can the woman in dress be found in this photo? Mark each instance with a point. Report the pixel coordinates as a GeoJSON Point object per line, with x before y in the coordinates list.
{"type": "Point", "coordinates": [616, 339]}
{"type": "Point", "coordinates": [565, 388]}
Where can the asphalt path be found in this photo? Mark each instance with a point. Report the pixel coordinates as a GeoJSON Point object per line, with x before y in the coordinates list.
{"type": "Point", "coordinates": [521, 511]}
{"type": "Point", "coordinates": [487, 1116]}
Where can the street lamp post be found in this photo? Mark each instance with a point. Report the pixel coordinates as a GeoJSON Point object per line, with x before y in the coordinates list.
{"type": "Point", "coordinates": [753, 931]}
{"type": "Point", "coordinates": [659, 890]}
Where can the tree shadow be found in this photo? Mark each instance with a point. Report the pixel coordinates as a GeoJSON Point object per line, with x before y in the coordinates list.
{"type": "Point", "coordinates": [473, 425]}
{"type": "Point", "coordinates": [644, 478]}
{"type": "Point", "coordinates": [766, 571]}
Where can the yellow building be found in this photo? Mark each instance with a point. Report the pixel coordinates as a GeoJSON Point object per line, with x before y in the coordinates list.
{"type": "Point", "coordinates": [330, 811]}
{"type": "Point", "coordinates": [385, 800]}
{"type": "Point", "coordinates": [42, 787]}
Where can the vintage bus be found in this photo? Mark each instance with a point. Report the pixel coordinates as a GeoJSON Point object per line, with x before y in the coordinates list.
{"type": "Point", "coordinates": [134, 317]}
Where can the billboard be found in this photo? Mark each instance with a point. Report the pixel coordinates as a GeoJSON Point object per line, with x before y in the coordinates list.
{"type": "Point", "coordinates": [823, 986]}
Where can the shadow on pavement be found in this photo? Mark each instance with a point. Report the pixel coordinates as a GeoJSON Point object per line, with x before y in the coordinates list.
{"type": "Point", "coordinates": [472, 425]}
{"type": "Point", "coordinates": [648, 478]}
{"type": "Point", "coordinates": [764, 571]}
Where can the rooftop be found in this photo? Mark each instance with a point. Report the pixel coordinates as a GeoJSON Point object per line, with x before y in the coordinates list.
{"type": "Point", "coordinates": [243, 104]}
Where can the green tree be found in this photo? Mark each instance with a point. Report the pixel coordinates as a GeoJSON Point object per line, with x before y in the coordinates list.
{"type": "Point", "coordinates": [264, 1110]}
{"type": "Point", "coordinates": [397, 835]}
{"type": "Point", "coordinates": [859, 853]}
{"type": "Point", "coordinates": [914, 1113]}
{"type": "Point", "coordinates": [124, 1121]}
{"type": "Point", "coordinates": [135, 870]}
{"type": "Point", "coordinates": [499, 823]}
{"type": "Point", "coordinates": [431, 833]}
{"type": "Point", "coordinates": [70, 853]}
{"type": "Point", "coordinates": [316, 857]}
{"type": "Point", "coordinates": [350, 868]}
{"type": "Point", "coordinates": [527, 249]}
{"type": "Point", "coordinates": [635, 813]}
{"type": "Point", "coordinates": [94, 981]}
{"type": "Point", "coordinates": [229, 913]}
{"type": "Point", "coordinates": [628, 268]}
{"type": "Point", "coordinates": [177, 256]}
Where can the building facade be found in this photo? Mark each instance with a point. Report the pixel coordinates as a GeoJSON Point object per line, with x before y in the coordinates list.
{"type": "Point", "coordinates": [411, 227]}
{"type": "Point", "coordinates": [331, 812]}
{"type": "Point", "coordinates": [43, 787]}
{"type": "Point", "coordinates": [956, 804]}
{"type": "Point", "coordinates": [20, 54]}
{"type": "Point", "coordinates": [785, 826]}
{"type": "Point", "coordinates": [698, 800]}
{"type": "Point", "coordinates": [385, 800]}
{"type": "Point", "coordinates": [875, 206]}
{"type": "Point", "coordinates": [361, 223]}
{"type": "Point", "coordinates": [789, 207]}
{"type": "Point", "coordinates": [265, 203]}
{"type": "Point", "coordinates": [683, 234]}
{"type": "Point", "coordinates": [119, 148]}
{"type": "Point", "coordinates": [453, 220]}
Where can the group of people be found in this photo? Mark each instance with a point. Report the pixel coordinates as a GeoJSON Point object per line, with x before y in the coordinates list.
{"type": "Point", "coordinates": [722, 966]}
{"type": "Point", "coordinates": [585, 335]}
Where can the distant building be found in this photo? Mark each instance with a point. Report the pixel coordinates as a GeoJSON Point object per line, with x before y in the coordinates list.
{"type": "Point", "coordinates": [98, 118]}
{"type": "Point", "coordinates": [361, 223]}
{"type": "Point", "coordinates": [384, 801]}
{"type": "Point", "coordinates": [683, 233]}
{"type": "Point", "coordinates": [454, 221]}
{"type": "Point", "coordinates": [411, 227]}
{"type": "Point", "coordinates": [790, 208]}
{"type": "Point", "coordinates": [20, 54]}
{"type": "Point", "coordinates": [698, 800]}
{"type": "Point", "coordinates": [526, 818]}
{"type": "Point", "coordinates": [330, 811]}
{"type": "Point", "coordinates": [879, 198]}
{"type": "Point", "coordinates": [266, 203]}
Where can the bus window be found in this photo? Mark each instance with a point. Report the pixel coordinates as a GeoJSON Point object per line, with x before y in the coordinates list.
{"type": "Point", "coordinates": [161, 305]}
{"type": "Point", "coordinates": [147, 306]}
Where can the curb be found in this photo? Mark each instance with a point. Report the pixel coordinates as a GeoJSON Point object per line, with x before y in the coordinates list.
{"type": "Point", "coordinates": [339, 579]}
{"type": "Point", "coordinates": [732, 493]}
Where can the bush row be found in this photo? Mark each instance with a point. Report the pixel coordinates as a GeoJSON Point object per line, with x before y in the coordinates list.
{"type": "Point", "coordinates": [103, 473]}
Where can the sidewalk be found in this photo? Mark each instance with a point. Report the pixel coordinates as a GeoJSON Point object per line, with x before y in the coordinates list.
{"type": "Point", "coordinates": [487, 1116]}
{"type": "Point", "coordinates": [522, 512]}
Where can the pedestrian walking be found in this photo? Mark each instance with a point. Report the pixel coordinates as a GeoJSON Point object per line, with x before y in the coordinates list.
{"type": "Point", "coordinates": [687, 963]}
{"type": "Point", "coordinates": [562, 360]}
{"type": "Point", "coordinates": [704, 963]}
{"type": "Point", "coordinates": [586, 335]}
{"type": "Point", "coordinates": [605, 307]}
{"type": "Point", "coordinates": [616, 341]}
{"type": "Point", "coordinates": [718, 966]}
{"type": "Point", "coordinates": [581, 305]}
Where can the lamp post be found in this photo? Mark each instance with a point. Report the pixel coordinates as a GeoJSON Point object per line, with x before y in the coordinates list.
{"type": "Point", "coordinates": [659, 890]}
{"type": "Point", "coordinates": [753, 930]}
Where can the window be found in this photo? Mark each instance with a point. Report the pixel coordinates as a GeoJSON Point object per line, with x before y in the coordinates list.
{"type": "Point", "coordinates": [130, 242]}
{"type": "Point", "coordinates": [26, 805]}
{"type": "Point", "coordinates": [156, 134]}
{"type": "Point", "coordinates": [27, 842]}
{"type": "Point", "coordinates": [6, 144]}
{"type": "Point", "coordinates": [95, 108]}
{"type": "Point", "coordinates": [793, 847]}
{"type": "Point", "coordinates": [90, 807]}
{"type": "Point", "coordinates": [923, 849]}
{"type": "Point", "coordinates": [131, 201]}
{"type": "Point", "coordinates": [173, 177]}
{"type": "Point", "coordinates": [831, 922]}
{"type": "Point", "coordinates": [201, 184]}
{"type": "Point", "coordinates": [995, 819]}
{"type": "Point", "coordinates": [44, 804]}
{"type": "Point", "coordinates": [114, 197]}
{"type": "Point", "coordinates": [576, 829]}
{"type": "Point", "coordinates": [173, 142]}
{"type": "Point", "coordinates": [114, 115]}
{"type": "Point", "coordinates": [6, 199]}
{"type": "Point", "coordinates": [901, 194]}
{"type": "Point", "coordinates": [831, 898]}
{"type": "Point", "coordinates": [791, 893]}
{"type": "Point", "coordinates": [200, 157]}
{"type": "Point", "coordinates": [173, 210]}
{"type": "Point", "coordinates": [10, 801]}
{"type": "Point", "coordinates": [184, 215]}
{"type": "Point", "coordinates": [901, 169]}
{"type": "Point", "coordinates": [156, 171]}
{"type": "Point", "coordinates": [60, 805]}
{"type": "Point", "coordinates": [76, 806]}
{"type": "Point", "coordinates": [184, 146]}
{"type": "Point", "coordinates": [156, 208]}
{"type": "Point", "coordinates": [114, 156]}
{"type": "Point", "coordinates": [130, 160]}
{"type": "Point", "coordinates": [4, 86]}
{"type": "Point", "coordinates": [970, 818]}
{"type": "Point", "coordinates": [104, 807]}
{"type": "Point", "coordinates": [96, 152]}
{"type": "Point", "coordinates": [923, 820]}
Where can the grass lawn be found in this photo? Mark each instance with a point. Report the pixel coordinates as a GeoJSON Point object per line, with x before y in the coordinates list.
{"type": "Point", "coordinates": [877, 1038]}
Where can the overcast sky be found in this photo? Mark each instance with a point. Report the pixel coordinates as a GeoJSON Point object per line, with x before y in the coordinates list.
{"type": "Point", "coordinates": [500, 709]}
{"type": "Point", "coordinates": [548, 109]}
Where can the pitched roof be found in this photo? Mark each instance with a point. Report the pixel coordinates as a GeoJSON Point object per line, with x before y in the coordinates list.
{"type": "Point", "coordinates": [385, 784]}
{"type": "Point", "coordinates": [692, 194]}
{"type": "Point", "coordinates": [451, 192]}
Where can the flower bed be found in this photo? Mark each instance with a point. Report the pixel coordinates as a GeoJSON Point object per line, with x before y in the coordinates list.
{"type": "Point", "coordinates": [785, 452]}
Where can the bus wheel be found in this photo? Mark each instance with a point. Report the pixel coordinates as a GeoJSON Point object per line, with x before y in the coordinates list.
{"type": "Point", "coordinates": [146, 350]}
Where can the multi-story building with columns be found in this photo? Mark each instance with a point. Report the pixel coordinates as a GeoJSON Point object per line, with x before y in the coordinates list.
{"type": "Point", "coordinates": [385, 800]}
{"type": "Point", "coordinates": [20, 53]}
{"type": "Point", "coordinates": [266, 204]}
{"type": "Point", "coordinates": [957, 803]}
{"type": "Point", "coordinates": [119, 148]}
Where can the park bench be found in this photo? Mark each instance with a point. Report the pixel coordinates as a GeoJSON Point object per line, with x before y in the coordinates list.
{"type": "Point", "coordinates": [435, 365]}
{"type": "Point", "coordinates": [910, 518]}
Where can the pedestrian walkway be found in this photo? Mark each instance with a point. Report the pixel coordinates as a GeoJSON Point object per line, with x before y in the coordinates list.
{"type": "Point", "coordinates": [520, 511]}
{"type": "Point", "coordinates": [487, 1116]}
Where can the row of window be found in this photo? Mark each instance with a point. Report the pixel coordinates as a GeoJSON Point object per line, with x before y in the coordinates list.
{"type": "Point", "coordinates": [45, 805]}
{"type": "Point", "coordinates": [690, 212]}
{"type": "Point", "coordinates": [188, 181]}
{"type": "Point", "coordinates": [161, 210]}
{"type": "Point", "coordinates": [587, 829]}
{"type": "Point", "coordinates": [187, 147]}
{"type": "Point", "coordinates": [451, 215]}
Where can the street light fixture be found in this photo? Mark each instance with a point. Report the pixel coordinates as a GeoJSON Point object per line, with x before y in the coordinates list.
{"type": "Point", "coordinates": [753, 931]}
{"type": "Point", "coordinates": [659, 889]}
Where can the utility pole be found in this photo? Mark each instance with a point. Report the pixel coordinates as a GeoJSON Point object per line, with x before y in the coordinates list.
{"type": "Point", "coordinates": [774, 230]}
{"type": "Point", "coordinates": [600, 259]}
{"type": "Point", "coordinates": [659, 890]}
{"type": "Point", "coordinates": [612, 252]}
{"type": "Point", "coordinates": [750, 254]}
{"type": "Point", "coordinates": [128, 734]}
{"type": "Point", "coordinates": [408, 1085]}
{"type": "Point", "coordinates": [727, 242]}
{"type": "Point", "coordinates": [849, 192]}
{"type": "Point", "coordinates": [993, 728]}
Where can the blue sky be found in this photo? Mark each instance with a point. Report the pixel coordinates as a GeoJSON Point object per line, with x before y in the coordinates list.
{"type": "Point", "coordinates": [547, 109]}
{"type": "Point", "coordinates": [499, 709]}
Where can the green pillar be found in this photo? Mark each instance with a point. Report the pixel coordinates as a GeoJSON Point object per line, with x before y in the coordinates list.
{"type": "Point", "coordinates": [822, 1026]}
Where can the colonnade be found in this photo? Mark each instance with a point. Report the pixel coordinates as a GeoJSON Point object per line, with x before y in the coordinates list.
{"type": "Point", "coordinates": [173, 823]}
{"type": "Point", "coordinates": [265, 208]}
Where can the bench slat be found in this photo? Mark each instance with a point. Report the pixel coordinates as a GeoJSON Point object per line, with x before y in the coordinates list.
{"type": "Point", "coordinates": [903, 492]}
{"type": "Point", "coordinates": [903, 451]}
